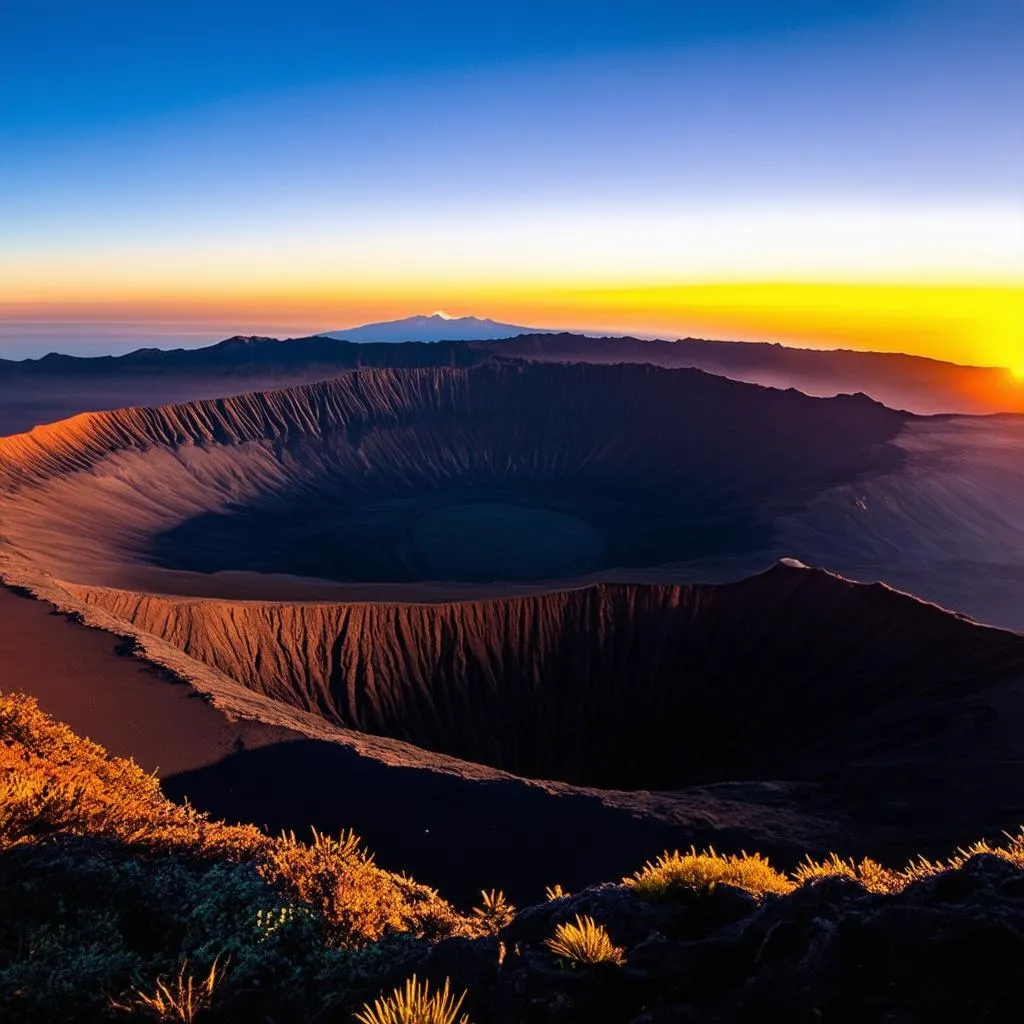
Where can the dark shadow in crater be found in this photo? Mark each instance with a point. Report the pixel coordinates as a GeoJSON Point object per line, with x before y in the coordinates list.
{"type": "Point", "coordinates": [470, 534]}
{"type": "Point", "coordinates": [457, 834]}
{"type": "Point", "coordinates": [523, 473]}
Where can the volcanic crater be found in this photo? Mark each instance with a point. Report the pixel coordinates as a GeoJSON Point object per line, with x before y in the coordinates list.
{"type": "Point", "coordinates": [484, 475]}
{"type": "Point", "coordinates": [492, 564]}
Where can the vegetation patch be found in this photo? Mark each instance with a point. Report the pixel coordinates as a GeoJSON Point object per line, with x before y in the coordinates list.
{"type": "Point", "coordinates": [701, 872]}
{"type": "Point", "coordinates": [115, 902]}
{"type": "Point", "coordinates": [415, 1004]}
{"type": "Point", "coordinates": [584, 942]}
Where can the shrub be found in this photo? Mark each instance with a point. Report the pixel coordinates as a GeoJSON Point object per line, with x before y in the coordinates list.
{"type": "Point", "coordinates": [701, 872]}
{"type": "Point", "coordinates": [106, 882]}
{"type": "Point", "coordinates": [356, 901]}
{"type": "Point", "coordinates": [415, 1004]}
{"type": "Point", "coordinates": [584, 942]}
{"type": "Point", "coordinates": [53, 781]}
{"type": "Point", "coordinates": [554, 892]}
{"type": "Point", "coordinates": [52, 972]}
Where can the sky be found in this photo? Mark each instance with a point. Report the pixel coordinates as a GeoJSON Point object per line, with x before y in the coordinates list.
{"type": "Point", "coordinates": [820, 173]}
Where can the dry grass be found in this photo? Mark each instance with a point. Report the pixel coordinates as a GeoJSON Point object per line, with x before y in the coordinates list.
{"type": "Point", "coordinates": [415, 1004]}
{"type": "Point", "coordinates": [876, 878]}
{"type": "Point", "coordinates": [358, 901]}
{"type": "Point", "coordinates": [584, 942]}
{"type": "Point", "coordinates": [702, 871]}
{"type": "Point", "coordinates": [869, 873]}
{"type": "Point", "coordinates": [179, 1000]}
{"type": "Point", "coordinates": [52, 781]}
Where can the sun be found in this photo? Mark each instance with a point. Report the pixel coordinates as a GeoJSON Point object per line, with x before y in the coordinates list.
{"type": "Point", "coordinates": [1017, 372]}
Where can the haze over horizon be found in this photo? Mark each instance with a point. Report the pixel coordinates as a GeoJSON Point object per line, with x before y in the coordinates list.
{"type": "Point", "coordinates": [423, 327]}
{"type": "Point", "coordinates": [829, 175]}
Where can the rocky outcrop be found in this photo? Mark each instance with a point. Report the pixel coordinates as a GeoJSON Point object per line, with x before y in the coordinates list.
{"type": "Point", "coordinates": [947, 948]}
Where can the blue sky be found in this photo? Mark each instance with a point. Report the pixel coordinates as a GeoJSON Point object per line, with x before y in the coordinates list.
{"type": "Point", "coordinates": [866, 96]}
{"type": "Point", "coordinates": [219, 146]}
{"type": "Point", "coordinates": [69, 63]}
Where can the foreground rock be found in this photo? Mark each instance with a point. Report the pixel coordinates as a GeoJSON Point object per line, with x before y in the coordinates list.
{"type": "Point", "coordinates": [947, 948]}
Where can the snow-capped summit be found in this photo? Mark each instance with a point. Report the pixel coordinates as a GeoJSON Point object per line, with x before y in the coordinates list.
{"type": "Point", "coordinates": [439, 326]}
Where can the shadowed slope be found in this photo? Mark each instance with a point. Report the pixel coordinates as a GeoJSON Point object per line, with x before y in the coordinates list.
{"type": "Point", "coordinates": [448, 829]}
{"type": "Point", "coordinates": [351, 407]}
{"type": "Point", "coordinates": [916, 383]}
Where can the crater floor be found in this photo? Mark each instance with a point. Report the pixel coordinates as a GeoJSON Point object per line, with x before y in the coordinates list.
{"type": "Point", "coordinates": [491, 474]}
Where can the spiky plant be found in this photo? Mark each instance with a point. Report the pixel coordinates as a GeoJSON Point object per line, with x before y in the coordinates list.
{"type": "Point", "coordinates": [583, 941]}
{"type": "Point", "coordinates": [495, 913]}
{"type": "Point", "coordinates": [415, 1004]}
{"type": "Point", "coordinates": [555, 892]}
{"type": "Point", "coordinates": [179, 1000]}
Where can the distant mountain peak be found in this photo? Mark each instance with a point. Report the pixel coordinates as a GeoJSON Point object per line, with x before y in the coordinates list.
{"type": "Point", "coordinates": [436, 326]}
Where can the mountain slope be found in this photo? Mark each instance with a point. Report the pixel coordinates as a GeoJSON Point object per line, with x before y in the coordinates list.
{"type": "Point", "coordinates": [916, 383]}
{"type": "Point", "coordinates": [54, 387]}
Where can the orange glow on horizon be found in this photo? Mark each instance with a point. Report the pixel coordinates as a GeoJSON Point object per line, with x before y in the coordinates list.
{"type": "Point", "coordinates": [970, 324]}
{"type": "Point", "coordinates": [978, 324]}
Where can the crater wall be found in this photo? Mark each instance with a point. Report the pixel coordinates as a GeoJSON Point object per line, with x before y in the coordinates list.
{"type": "Point", "coordinates": [618, 686]}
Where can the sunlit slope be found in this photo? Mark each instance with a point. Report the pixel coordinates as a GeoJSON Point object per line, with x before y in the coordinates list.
{"type": "Point", "coordinates": [621, 686]}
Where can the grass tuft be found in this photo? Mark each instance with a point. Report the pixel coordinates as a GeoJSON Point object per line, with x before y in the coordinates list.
{"type": "Point", "coordinates": [584, 942]}
{"type": "Point", "coordinates": [867, 872]}
{"type": "Point", "coordinates": [701, 872]}
{"type": "Point", "coordinates": [415, 1004]}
